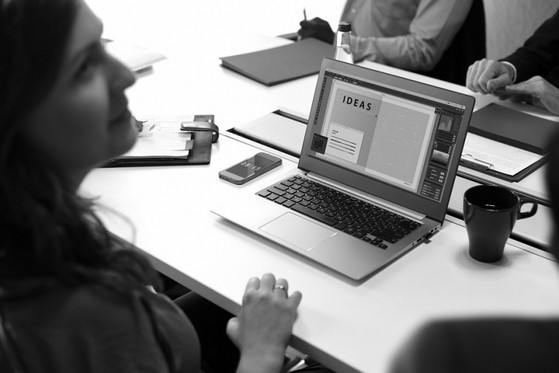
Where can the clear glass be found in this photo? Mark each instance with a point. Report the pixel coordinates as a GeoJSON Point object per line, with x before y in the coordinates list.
{"type": "Point", "coordinates": [343, 47]}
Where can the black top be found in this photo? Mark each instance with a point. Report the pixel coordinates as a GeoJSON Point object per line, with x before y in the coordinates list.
{"type": "Point", "coordinates": [540, 53]}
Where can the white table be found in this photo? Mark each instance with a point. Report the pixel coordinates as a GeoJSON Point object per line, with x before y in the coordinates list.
{"type": "Point", "coordinates": [348, 326]}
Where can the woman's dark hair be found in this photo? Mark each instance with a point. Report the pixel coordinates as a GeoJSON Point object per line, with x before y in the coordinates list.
{"type": "Point", "coordinates": [46, 228]}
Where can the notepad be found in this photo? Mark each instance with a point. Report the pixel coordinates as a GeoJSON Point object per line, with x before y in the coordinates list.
{"type": "Point", "coordinates": [281, 64]}
{"type": "Point", "coordinates": [501, 160]}
{"type": "Point", "coordinates": [164, 142]}
{"type": "Point", "coordinates": [161, 138]}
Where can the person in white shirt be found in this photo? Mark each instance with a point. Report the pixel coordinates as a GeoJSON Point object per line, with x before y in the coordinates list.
{"type": "Point", "coordinates": [407, 34]}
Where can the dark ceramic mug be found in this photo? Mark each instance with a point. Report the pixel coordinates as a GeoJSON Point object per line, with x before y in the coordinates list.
{"type": "Point", "coordinates": [490, 213]}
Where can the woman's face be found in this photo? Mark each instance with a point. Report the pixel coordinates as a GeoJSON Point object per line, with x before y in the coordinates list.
{"type": "Point", "coordinates": [84, 120]}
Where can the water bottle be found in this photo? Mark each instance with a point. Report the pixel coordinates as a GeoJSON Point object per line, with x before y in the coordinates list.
{"type": "Point", "coordinates": [343, 43]}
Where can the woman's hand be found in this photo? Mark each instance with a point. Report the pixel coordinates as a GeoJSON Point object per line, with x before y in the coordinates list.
{"type": "Point", "coordinates": [264, 326]}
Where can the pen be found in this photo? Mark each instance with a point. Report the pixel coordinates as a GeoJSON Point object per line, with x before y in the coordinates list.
{"type": "Point", "coordinates": [304, 14]}
{"type": "Point", "coordinates": [469, 160]}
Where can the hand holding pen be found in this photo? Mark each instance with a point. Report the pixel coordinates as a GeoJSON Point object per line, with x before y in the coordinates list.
{"type": "Point", "coordinates": [315, 28]}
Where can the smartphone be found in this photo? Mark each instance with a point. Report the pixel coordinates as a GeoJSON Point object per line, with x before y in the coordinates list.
{"type": "Point", "coordinates": [250, 168]}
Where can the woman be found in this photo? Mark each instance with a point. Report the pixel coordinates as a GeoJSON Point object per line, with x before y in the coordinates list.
{"type": "Point", "coordinates": [73, 298]}
{"type": "Point", "coordinates": [407, 34]}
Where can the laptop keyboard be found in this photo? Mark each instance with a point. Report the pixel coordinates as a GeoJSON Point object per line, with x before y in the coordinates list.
{"type": "Point", "coordinates": [351, 215]}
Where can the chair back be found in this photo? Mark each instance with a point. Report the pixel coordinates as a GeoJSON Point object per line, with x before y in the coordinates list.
{"type": "Point", "coordinates": [468, 46]}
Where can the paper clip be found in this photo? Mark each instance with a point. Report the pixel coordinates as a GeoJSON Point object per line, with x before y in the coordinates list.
{"type": "Point", "coordinates": [469, 160]}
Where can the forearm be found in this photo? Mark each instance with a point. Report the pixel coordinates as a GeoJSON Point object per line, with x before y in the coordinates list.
{"type": "Point", "coordinates": [403, 52]}
{"type": "Point", "coordinates": [260, 362]}
{"type": "Point", "coordinates": [540, 52]}
{"type": "Point", "coordinates": [430, 32]}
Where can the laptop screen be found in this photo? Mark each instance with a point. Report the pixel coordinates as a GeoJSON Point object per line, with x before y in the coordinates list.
{"type": "Point", "coordinates": [388, 136]}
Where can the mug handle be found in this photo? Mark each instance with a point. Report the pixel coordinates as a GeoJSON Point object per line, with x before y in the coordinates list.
{"type": "Point", "coordinates": [527, 214]}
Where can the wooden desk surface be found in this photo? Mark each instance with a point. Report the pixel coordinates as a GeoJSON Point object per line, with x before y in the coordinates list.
{"type": "Point", "coordinates": [165, 210]}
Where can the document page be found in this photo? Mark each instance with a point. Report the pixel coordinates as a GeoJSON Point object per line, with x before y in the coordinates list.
{"type": "Point", "coordinates": [497, 156]}
{"type": "Point", "coordinates": [162, 139]}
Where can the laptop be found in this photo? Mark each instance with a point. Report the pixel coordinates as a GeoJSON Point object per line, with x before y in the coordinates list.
{"type": "Point", "coordinates": [375, 175]}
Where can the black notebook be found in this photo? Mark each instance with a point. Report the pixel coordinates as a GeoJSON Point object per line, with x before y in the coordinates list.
{"type": "Point", "coordinates": [281, 64]}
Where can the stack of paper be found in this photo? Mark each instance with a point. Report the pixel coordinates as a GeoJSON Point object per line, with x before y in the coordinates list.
{"type": "Point", "coordinates": [161, 139]}
{"type": "Point", "coordinates": [506, 143]}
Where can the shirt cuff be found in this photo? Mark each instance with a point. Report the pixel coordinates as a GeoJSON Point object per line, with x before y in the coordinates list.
{"type": "Point", "coordinates": [513, 78]}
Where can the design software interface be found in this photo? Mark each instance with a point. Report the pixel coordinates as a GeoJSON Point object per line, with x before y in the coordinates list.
{"type": "Point", "coordinates": [391, 135]}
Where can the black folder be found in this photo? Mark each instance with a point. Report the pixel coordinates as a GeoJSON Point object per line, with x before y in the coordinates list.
{"type": "Point", "coordinates": [513, 127]}
{"type": "Point", "coordinates": [281, 64]}
{"type": "Point", "coordinates": [200, 153]}
{"type": "Point", "coordinates": [203, 134]}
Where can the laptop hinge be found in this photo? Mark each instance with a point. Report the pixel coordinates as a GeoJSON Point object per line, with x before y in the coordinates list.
{"type": "Point", "coordinates": [359, 194]}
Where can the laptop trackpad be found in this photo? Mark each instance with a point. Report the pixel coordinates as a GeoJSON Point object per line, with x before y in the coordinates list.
{"type": "Point", "coordinates": [297, 231]}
